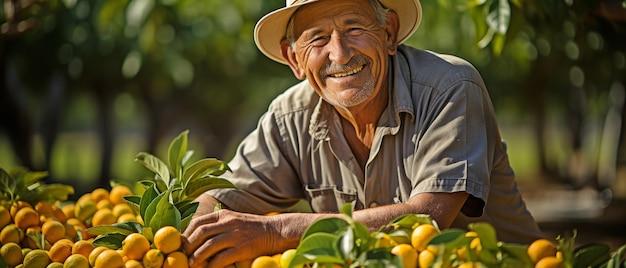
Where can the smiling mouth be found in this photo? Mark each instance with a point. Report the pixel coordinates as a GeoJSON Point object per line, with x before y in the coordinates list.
{"type": "Point", "coordinates": [348, 73]}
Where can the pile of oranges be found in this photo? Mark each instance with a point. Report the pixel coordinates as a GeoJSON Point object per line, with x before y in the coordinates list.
{"type": "Point", "coordinates": [55, 235]}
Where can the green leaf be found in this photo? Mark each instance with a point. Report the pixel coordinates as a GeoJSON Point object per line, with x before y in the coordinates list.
{"type": "Point", "coordinates": [122, 228]}
{"type": "Point", "coordinates": [451, 238]}
{"type": "Point", "coordinates": [110, 240]}
{"type": "Point", "coordinates": [148, 196]}
{"type": "Point", "coordinates": [198, 186]}
{"type": "Point", "coordinates": [517, 251]}
{"type": "Point", "coordinates": [53, 192]}
{"type": "Point", "coordinates": [379, 257]}
{"type": "Point", "coordinates": [7, 185]}
{"type": "Point", "coordinates": [166, 213]}
{"type": "Point", "coordinates": [38, 238]}
{"type": "Point", "coordinates": [327, 225]}
{"type": "Point", "coordinates": [499, 16]}
{"type": "Point", "coordinates": [346, 209]}
{"type": "Point", "coordinates": [318, 247]}
{"type": "Point", "coordinates": [176, 151]}
{"type": "Point", "coordinates": [345, 244]}
{"type": "Point", "coordinates": [203, 167]}
{"type": "Point", "coordinates": [410, 220]}
{"type": "Point", "coordinates": [486, 233]}
{"type": "Point", "coordinates": [155, 165]}
{"type": "Point", "coordinates": [134, 202]}
{"type": "Point", "coordinates": [591, 255]}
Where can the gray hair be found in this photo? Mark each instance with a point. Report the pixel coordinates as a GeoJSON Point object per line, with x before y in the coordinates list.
{"type": "Point", "coordinates": [379, 9]}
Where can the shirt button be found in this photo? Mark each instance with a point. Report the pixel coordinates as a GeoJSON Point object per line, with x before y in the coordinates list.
{"type": "Point", "coordinates": [373, 205]}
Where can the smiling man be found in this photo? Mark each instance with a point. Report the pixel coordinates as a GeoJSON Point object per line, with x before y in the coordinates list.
{"type": "Point", "coordinates": [388, 128]}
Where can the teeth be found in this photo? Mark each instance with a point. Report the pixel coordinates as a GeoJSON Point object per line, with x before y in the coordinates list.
{"type": "Point", "coordinates": [351, 72]}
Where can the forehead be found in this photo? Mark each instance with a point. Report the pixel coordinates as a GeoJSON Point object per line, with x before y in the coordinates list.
{"type": "Point", "coordinates": [333, 11]}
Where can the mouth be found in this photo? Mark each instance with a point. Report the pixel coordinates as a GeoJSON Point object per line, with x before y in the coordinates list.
{"type": "Point", "coordinates": [348, 73]}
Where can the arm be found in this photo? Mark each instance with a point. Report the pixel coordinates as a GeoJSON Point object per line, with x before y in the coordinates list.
{"type": "Point", "coordinates": [226, 237]}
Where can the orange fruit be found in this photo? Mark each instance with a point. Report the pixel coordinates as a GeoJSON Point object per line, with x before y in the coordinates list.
{"type": "Point", "coordinates": [82, 247]}
{"type": "Point", "coordinates": [68, 210]}
{"type": "Point", "coordinates": [549, 262]}
{"type": "Point", "coordinates": [134, 246]}
{"type": "Point", "coordinates": [109, 259]}
{"type": "Point", "coordinates": [17, 206]}
{"type": "Point", "coordinates": [5, 217]}
{"type": "Point", "coordinates": [53, 231]}
{"type": "Point", "coordinates": [176, 259]}
{"type": "Point", "coordinates": [76, 261]}
{"type": "Point", "coordinates": [265, 262]}
{"type": "Point", "coordinates": [70, 231]}
{"type": "Point", "coordinates": [59, 252]}
{"type": "Point", "coordinates": [36, 258]}
{"type": "Point", "coordinates": [153, 258]}
{"type": "Point", "coordinates": [11, 233]}
{"type": "Point", "coordinates": [133, 264]}
{"type": "Point", "coordinates": [104, 203]}
{"type": "Point", "coordinates": [85, 209]}
{"type": "Point", "coordinates": [468, 264]}
{"type": "Point", "coordinates": [117, 193]}
{"type": "Point", "coordinates": [121, 209]}
{"type": "Point", "coordinates": [127, 217]}
{"type": "Point", "coordinates": [421, 235]}
{"type": "Point", "coordinates": [99, 194]}
{"type": "Point", "coordinates": [26, 217]}
{"type": "Point", "coordinates": [426, 258]}
{"type": "Point", "coordinates": [94, 254]}
{"type": "Point", "coordinates": [11, 253]}
{"type": "Point", "coordinates": [103, 217]}
{"type": "Point", "coordinates": [407, 254]}
{"type": "Point", "coordinates": [167, 239]}
{"type": "Point", "coordinates": [44, 208]}
{"type": "Point", "coordinates": [540, 249]}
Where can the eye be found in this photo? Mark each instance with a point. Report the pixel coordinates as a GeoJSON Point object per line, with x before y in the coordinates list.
{"type": "Point", "coordinates": [319, 41]}
{"type": "Point", "coordinates": [355, 31]}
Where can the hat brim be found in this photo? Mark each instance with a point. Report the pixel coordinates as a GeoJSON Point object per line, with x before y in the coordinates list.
{"type": "Point", "coordinates": [270, 29]}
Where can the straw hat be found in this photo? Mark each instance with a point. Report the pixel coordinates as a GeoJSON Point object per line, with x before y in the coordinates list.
{"type": "Point", "coordinates": [270, 30]}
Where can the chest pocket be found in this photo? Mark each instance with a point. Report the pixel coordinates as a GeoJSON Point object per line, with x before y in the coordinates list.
{"type": "Point", "coordinates": [329, 198]}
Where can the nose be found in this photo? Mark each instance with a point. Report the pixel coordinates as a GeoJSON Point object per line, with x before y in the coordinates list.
{"type": "Point", "coordinates": [338, 49]}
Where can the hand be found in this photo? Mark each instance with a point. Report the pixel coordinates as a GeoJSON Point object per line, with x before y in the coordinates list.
{"type": "Point", "coordinates": [226, 237]}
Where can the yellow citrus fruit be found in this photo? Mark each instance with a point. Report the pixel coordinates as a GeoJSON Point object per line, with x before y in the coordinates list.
{"type": "Point", "coordinates": [44, 208]}
{"type": "Point", "coordinates": [176, 259]}
{"type": "Point", "coordinates": [109, 259]}
{"type": "Point", "coordinates": [59, 252]}
{"type": "Point", "coordinates": [117, 194]}
{"type": "Point", "coordinates": [407, 254]}
{"type": "Point", "coordinates": [133, 264]}
{"type": "Point", "coordinates": [76, 261]}
{"type": "Point", "coordinates": [53, 231]}
{"type": "Point", "coordinates": [11, 253]}
{"type": "Point", "coordinates": [36, 258]}
{"type": "Point", "coordinates": [17, 206]}
{"type": "Point", "coordinates": [68, 210]}
{"type": "Point", "coordinates": [70, 231]}
{"type": "Point", "coordinates": [94, 254]}
{"type": "Point", "coordinates": [5, 217]}
{"type": "Point", "coordinates": [287, 257]}
{"type": "Point", "coordinates": [540, 249]}
{"type": "Point", "coordinates": [421, 235]}
{"type": "Point", "coordinates": [121, 209]}
{"type": "Point", "coordinates": [468, 264]}
{"type": "Point", "coordinates": [103, 217]}
{"type": "Point", "coordinates": [105, 203]}
{"type": "Point", "coordinates": [26, 217]}
{"type": "Point", "coordinates": [55, 264]}
{"type": "Point", "coordinates": [549, 262]}
{"type": "Point", "coordinates": [59, 215]}
{"type": "Point", "coordinates": [167, 239]}
{"type": "Point", "coordinates": [99, 194]}
{"type": "Point", "coordinates": [153, 258]}
{"type": "Point", "coordinates": [84, 209]}
{"type": "Point", "coordinates": [134, 246]}
{"type": "Point", "coordinates": [426, 258]}
{"type": "Point", "coordinates": [11, 233]}
{"type": "Point", "coordinates": [82, 247]}
{"type": "Point", "coordinates": [127, 217]}
{"type": "Point", "coordinates": [265, 262]}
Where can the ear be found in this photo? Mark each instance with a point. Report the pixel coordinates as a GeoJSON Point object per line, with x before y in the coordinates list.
{"type": "Point", "coordinates": [392, 27]}
{"type": "Point", "coordinates": [290, 56]}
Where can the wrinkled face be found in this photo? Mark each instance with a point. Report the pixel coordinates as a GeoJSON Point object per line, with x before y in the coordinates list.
{"type": "Point", "coordinates": [342, 49]}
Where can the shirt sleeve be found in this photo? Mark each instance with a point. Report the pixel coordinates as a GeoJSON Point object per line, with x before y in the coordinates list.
{"type": "Point", "coordinates": [453, 153]}
{"type": "Point", "coordinates": [266, 180]}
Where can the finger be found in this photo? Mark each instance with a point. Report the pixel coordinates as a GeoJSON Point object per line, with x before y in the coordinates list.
{"type": "Point", "coordinates": [209, 248]}
{"type": "Point", "coordinates": [226, 257]}
{"type": "Point", "coordinates": [199, 221]}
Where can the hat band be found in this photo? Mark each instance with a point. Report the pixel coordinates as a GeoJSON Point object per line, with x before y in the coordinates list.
{"type": "Point", "coordinates": [295, 2]}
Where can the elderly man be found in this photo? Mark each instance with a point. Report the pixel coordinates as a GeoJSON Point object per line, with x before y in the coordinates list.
{"type": "Point", "coordinates": [388, 128]}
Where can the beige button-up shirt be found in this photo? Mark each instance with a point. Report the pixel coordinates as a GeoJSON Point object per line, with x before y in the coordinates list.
{"type": "Point", "coordinates": [438, 134]}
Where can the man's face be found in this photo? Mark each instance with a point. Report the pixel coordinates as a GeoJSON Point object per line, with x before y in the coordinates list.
{"type": "Point", "coordinates": [343, 50]}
